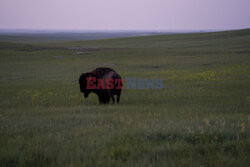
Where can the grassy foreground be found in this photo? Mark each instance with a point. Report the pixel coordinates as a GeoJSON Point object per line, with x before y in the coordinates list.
{"type": "Point", "coordinates": [200, 118]}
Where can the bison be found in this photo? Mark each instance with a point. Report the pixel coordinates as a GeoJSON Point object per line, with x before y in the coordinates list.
{"type": "Point", "coordinates": [111, 84]}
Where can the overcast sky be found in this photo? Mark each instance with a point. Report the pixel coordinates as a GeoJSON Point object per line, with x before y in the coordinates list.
{"type": "Point", "coordinates": [125, 14]}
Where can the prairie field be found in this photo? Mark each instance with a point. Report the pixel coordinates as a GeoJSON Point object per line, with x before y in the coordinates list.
{"type": "Point", "coordinates": [200, 117]}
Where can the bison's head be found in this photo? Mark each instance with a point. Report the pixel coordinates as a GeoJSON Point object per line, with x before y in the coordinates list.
{"type": "Point", "coordinates": [83, 83]}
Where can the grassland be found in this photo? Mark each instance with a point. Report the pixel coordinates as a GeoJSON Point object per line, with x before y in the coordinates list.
{"type": "Point", "coordinates": [200, 118]}
{"type": "Point", "coordinates": [39, 36]}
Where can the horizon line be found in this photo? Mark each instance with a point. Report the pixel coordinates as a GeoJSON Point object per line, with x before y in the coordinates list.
{"type": "Point", "coordinates": [154, 30]}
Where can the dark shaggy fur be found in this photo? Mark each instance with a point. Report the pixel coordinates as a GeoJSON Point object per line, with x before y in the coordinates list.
{"type": "Point", "coordinates": [104, 95]}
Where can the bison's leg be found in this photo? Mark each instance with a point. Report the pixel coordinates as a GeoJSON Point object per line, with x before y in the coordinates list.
{"type": "Point", "coordinates": [101, 100]}
{"type": "Point", "coordinates": [113, 98]}
{"type": "Point", "coordinates": [107, 100]}
{"type": "Point", "coordinates": [111, 95]}
{"type": "Point", "coordinates": [118, 97]}
{"type": "Point", "coordinates": [104, 98]}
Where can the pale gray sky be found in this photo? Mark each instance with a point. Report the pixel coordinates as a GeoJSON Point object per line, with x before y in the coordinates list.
{"type": "Point", "coordinates": [125, 14]}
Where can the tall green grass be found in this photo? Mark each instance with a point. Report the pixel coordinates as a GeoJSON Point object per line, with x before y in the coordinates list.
{"type": "Point", "coordinates": [200, 118]}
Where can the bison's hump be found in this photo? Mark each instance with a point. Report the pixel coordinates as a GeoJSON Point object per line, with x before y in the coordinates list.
{"type": "Point", "coordinates": [102, 71]}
